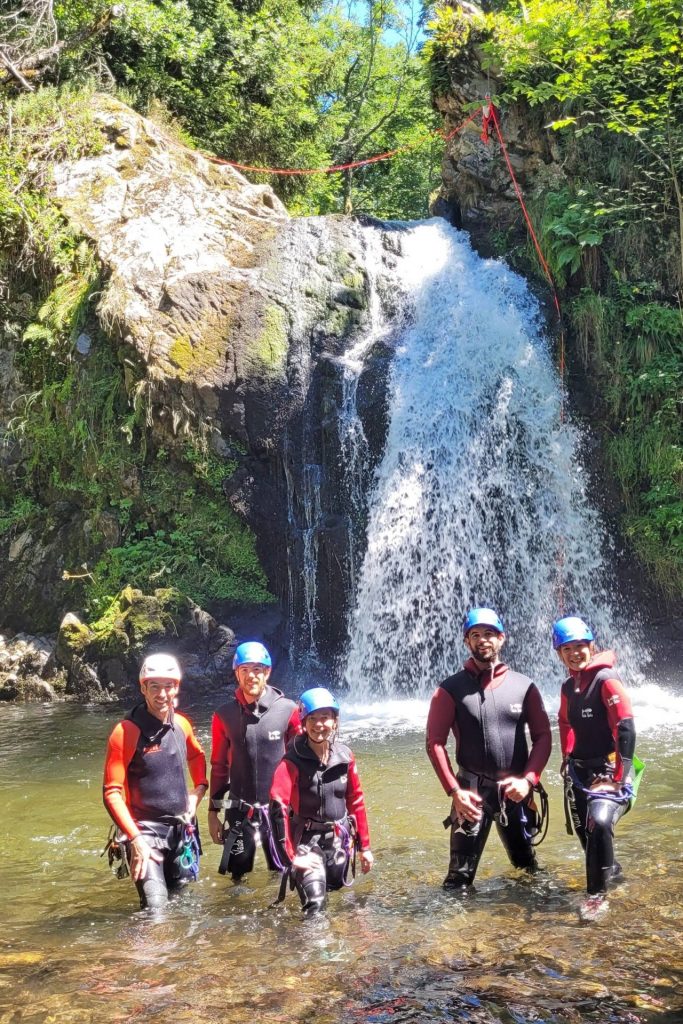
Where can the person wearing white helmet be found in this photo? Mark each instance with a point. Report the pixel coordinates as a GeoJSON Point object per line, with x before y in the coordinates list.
{"type": "Point", "coordinates": [489, 708]}
{"type": "Point", "coordinates": [598, 740]}
{"type": "Point", "coordinates": [146, 791]}
{"type": "Point", "coordinates": [248, 738]}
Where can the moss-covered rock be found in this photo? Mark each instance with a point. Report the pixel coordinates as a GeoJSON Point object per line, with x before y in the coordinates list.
{"type": "Point", "coordinates": [73, 639]}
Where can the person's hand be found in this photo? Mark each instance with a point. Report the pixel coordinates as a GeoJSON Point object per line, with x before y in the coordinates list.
{"type": "Point", "coordinates": [194, 798]}
{"type": "Point", "coordinates": [140, 855]}
{"type": "Point", "coordinates": [466, 805]}
{"type": "Point", "coordinates": [604, 784]}
{"type": "Point", "coordinates": [366, 861]}
{"type": "Point", "coordinates": [215, 827]}
{"type": "Point", "coordinates": [515, 789]}
{"type": "Point", "coordinates": [306, 861]}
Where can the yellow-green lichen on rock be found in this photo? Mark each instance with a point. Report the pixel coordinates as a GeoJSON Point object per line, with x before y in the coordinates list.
{"type": "Point", "coordinates": [272, 343]}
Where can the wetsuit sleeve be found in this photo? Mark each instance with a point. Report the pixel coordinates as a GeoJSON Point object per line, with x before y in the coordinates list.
{"type": "Point", "coordinates": [440, 721]}
{"type": "Point", "coordinates": [294, 727]}
{"type": "Point", "coordinates": [120, 750]}
{"type": "Point", "coordinates": [196, 761]}
{"type": "Point", "coordinates": [285, 784]}
{"type": "Point", "coordinates": [539, 730]}
{"type": "Point", "coordinates": [567, 738]}
{"type": "Point", "coordinates": [220, 761]}
{"type": "Point", "coordinates": [355, 804]}
{"type": "Point", "coordinates": [620, 718]}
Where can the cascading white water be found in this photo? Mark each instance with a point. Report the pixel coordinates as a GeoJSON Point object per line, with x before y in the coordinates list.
{"type": "Point", "coordinates": [479, 496]}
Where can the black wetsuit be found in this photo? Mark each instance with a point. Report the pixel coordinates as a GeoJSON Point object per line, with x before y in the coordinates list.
{"type": "Point", "coordinates": [248, 741]}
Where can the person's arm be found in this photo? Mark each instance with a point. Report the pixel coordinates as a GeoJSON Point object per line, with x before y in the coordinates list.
{"type": "Point", "coordinates": [120, 750]}
{"type": "Point", "coordinates": [518, 787]}
{"type": "Point", "coordinates": [285, 782]}
{"type": "Point", "coordinates": [440, 720]}
{"type": "Point", "coordinates": [620, 718]}
{"type": "Point", "coordinates": [567, 738]}
{"type": "Point", "coordinates": [220, 775]}
{"type": "Point", "coordinates": [539, 731]}
{"type": "Point", "coordinates": [294, 727]}
{"type": "Point", "coordinates": [196, 763]}
{"type": "Point", "coordinates": [355, 804]}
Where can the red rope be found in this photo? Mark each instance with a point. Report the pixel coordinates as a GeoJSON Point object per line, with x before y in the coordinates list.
{"type": "Point", "coordinates": [345, 167]}
{"type": "Point", "coordinates": [490, 115]}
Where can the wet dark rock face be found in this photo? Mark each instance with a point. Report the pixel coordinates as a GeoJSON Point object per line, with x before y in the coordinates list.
{"type": "Point", "coordinates": [293, 487]}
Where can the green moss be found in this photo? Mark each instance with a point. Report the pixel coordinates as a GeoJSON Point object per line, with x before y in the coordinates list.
{"type": "Point", "coordinates": [273, 342]}
{"type": "Point", "coordinates": [131, 618]}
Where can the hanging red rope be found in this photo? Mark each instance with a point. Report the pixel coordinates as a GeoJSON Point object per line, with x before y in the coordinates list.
{"type": "Point", "coordinates": [490, 116]}
{"type": "Point", "coordinates": [348, 166]}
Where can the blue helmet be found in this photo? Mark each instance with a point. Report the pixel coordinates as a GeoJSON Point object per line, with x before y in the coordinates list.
{"type": "Point", "coordinates": [251, 653]}
{"type": "Point", "coordinates": [482, 617]}
{"type": "Point", "coordinates": [570, 628]}
{"type": "Point", "coordinates": [316, 699]}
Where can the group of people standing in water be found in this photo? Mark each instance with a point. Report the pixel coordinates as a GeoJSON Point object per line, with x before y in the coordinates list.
{"type": "Point", "coordinates": [282, 778]}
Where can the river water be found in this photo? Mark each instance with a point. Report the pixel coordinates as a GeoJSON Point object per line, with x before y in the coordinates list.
{"type": "Point", "coordinates": [479, 499]}
{"type": "Point", "coordinates": [396, 948]}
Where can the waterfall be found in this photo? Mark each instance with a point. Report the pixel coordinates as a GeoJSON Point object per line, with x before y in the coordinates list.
{"type": "Point", "coordinates": [480, 498]}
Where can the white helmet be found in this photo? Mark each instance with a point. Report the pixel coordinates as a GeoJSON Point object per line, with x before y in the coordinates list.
{"type": "Point", "coordinates": [160, 666]}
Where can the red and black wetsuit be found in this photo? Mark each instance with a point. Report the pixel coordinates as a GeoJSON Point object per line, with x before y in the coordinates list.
{"type": "Point", "coordinates": [310, 806]}
{"type": "Point", "coordinates": [145, 788]}
{"type": "Point", "coordinates": [488, 711]}
{"type": "Point", "coordinates": [598, 739]}
{"type": "Point", "coordinates": [247, 743]}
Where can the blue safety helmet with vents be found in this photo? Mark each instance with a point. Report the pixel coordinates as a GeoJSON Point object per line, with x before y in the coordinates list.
{"type": "Point", "coordinates": [251, 653]}
{"type": "Point", "coordinates": [315, 700]}
{"type": "Point", "coordinates": [482, 617]}
{"type": "Point", "coordinates": [569, 629]}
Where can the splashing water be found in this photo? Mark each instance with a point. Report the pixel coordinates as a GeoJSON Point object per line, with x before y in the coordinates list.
{"type": "Point", "coordinates": [479, 498]}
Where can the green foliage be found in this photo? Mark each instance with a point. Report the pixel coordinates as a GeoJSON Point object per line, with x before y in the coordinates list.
{"type": "Point", "coordinates": [16, 516]}
{"type": "Point", "coordinates": [609, 78]}
{"type": "Point", "coordinates": [179, 532]}
{"type": "Point", "coordinates": [280, 83]}
{"type": "Point", "coordinates": [82, 440]}
{"type": "Point", "coordinates": [37, 131]}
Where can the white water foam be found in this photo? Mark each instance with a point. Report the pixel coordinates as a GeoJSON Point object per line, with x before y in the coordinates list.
{"type": "Point", "coordinates": [480, 494]}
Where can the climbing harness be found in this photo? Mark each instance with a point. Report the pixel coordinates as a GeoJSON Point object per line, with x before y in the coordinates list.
{"type": "Point", "coordinates": [191, 850]}
{"type": "Point", "coordinates": [626, 794]}
{"type": "Point", "coordinates": [344, 830]}
{"type": "Point", "coordinates": [115, 849]}
{"type": "Point", "coordinates": [535, 824]}
{"type": "Point", "coordinates": [235, 830]}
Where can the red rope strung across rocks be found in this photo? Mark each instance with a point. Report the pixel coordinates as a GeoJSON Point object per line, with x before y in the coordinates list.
{"type": "Point", "coordinates": [335, 168]}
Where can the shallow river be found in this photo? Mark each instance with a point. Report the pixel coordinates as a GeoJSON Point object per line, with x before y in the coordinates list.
{"type": "Point", "coordinates": [395, 949]}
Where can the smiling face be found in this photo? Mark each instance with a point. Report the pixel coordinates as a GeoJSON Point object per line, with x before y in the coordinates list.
{"type": "Point", "coordinates": [321, 725]}
{"type": "Point", "coordinates": [159, 696]}
{"type": "Point", "coordinates": [576, 655]}
{"type": "Point", "coordinates": [252, 679]}
{"type": "Point", "coordinates": [485, 644]}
